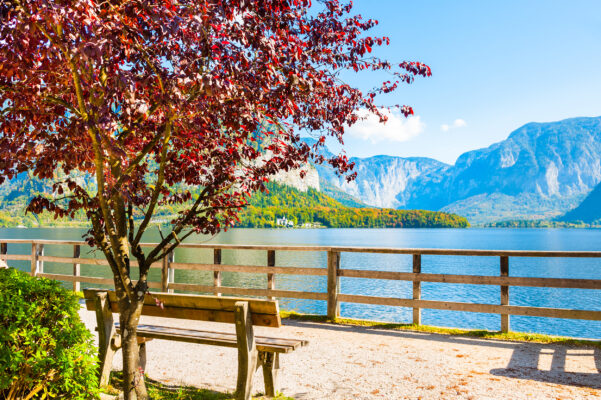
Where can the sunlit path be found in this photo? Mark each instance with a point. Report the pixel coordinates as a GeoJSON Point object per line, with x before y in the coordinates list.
{"type": "Point", "coordinates": [343, 362]}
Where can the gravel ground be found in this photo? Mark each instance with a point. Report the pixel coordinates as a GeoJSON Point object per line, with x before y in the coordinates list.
{"type": "Point", "coordinates": [344, 362]}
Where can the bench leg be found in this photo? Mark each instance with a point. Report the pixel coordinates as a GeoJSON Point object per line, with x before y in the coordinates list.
{"type": "Point", "coordinates": [247, 351]}
{"type": "Point", "coordinates": [106, 337]}
{"type": "Point", "coordinates": [271, 367]}
{"type": "Point", "coordinates": [106, 363]}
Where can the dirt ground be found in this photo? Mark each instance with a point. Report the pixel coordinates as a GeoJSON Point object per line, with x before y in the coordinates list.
{"type": "Point", "coordinates": [351, 362]}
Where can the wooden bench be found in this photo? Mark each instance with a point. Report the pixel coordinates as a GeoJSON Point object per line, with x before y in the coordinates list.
{"type": "Point", "coordinates": [253, 351]}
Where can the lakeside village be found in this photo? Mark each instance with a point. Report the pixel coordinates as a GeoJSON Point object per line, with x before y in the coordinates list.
{"type": "Point", "coordinates": [286, 223]}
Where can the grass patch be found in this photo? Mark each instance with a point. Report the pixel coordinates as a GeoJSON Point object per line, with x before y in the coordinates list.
{"type": "Point", "coordinates": [160, 391]}
{"type": "Point", "coordinates": [484, 334]}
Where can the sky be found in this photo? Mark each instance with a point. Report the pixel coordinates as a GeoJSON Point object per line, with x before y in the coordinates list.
{"type": "Point", "coordinates": [496, 65]}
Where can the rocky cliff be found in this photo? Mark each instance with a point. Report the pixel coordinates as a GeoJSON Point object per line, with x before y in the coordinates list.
{"type": "Point", "coordinates": [293, 178]}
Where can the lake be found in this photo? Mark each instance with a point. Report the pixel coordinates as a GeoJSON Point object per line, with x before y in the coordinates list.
{"type": "Point", "coordinates": [485, 238]}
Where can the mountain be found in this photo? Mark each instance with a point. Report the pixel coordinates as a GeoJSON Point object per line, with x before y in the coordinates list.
{"type": "Point", "coordinates": [540, 171]}
{"type": "Point", "coordinates": [589, 211]}
{"type": "Point", "coordinates": [382, 181]}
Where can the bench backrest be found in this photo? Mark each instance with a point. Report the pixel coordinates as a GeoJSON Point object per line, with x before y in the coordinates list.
{"type": "Point", "coordinates": [195, 307]}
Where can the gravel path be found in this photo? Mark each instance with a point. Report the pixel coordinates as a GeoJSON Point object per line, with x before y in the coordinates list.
{"type": "Point", "coordinates": [344, 362]}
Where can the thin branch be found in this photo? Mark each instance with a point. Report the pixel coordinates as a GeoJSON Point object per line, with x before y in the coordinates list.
{"type": "Point", "coordinates": [158, 187]}
{"type": "Point", "coordinates": [134, 163]}
{"type": "Point", "coordinates": [179, 226]}
{"type": "Point", "coordinates": [172, 247]}
{"type": "Point", "coordinates": [63, 103]}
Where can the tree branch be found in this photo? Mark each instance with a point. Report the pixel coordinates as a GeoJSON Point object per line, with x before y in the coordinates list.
{"type": "Point", "coordinates": [158, 187]}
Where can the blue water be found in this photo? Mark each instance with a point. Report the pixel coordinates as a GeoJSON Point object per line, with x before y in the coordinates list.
{"type": "Point", "coordinates": [511, 239]}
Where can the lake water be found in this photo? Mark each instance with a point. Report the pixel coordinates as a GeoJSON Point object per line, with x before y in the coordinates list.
{"type": "Point", "coordinates": [488, 238]}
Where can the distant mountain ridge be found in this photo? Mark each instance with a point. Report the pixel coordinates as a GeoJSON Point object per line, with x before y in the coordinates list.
{"type": "Point", "coordinates": [556, 163]}
{"type": "Point", "coordinates": [589, 211]}
{"type": "Point", "coordinates": [541, 170]}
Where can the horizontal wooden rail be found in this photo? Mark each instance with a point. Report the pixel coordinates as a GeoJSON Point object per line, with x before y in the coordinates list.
{"type": "Point", "coordinates": [334, 272]}
{"type": "Point", "coordinates": [346, 249]}
{"type": "Point", "coordinates": [465, 252]}
{"type": "Point", "coordinates": [190, 287]}
{"type": "Point", "coordinates": [251, 269]}
{"type": "Point", "coordinates": [86, 261]}
{"type": "Point", "coordinates": [6, 257]}
{"type": "Point", "coordinates": [89, 279]}
{"type": "Point", "coordinates": [474, 279]}
{"type": "Point", "coordinates": [474, 307]}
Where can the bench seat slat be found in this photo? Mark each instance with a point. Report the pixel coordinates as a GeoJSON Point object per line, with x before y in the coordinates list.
{"type": "Point", "coordinates": [225, 339]}
{"type": "Point", "coordinates": [185, 331]}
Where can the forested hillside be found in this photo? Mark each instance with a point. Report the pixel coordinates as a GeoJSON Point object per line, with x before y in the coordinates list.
{"type": "Point", "coordinates": [312, 208]}
{"type": "Point", "coordinates": [303, 209]}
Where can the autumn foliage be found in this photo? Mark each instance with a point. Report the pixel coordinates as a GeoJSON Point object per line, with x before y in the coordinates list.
{"type": "Point", "coordinates": [150, 97]}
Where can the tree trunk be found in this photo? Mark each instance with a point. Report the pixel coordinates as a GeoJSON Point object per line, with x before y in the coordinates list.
{"type": "Point", "coordinates": [134, 387]}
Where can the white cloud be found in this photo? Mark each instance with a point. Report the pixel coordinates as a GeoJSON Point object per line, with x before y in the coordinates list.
{"type": "Point", "coordinates": [458, 123]}
{"type": "Point", "coordinates": [396, 129]}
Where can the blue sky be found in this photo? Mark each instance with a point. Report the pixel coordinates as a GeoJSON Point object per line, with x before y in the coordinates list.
{"type": "Point", "coordinates": [496, 65]}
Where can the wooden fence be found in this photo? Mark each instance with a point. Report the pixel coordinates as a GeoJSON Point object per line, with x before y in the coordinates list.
{"type": "Point", "coordinates": [333, 271]}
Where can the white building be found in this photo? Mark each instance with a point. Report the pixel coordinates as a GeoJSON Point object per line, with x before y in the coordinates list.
{"type": "Point", "coordinates": [284, 222]}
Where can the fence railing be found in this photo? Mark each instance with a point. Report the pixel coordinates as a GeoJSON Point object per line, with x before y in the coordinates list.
{"type": "Point", "coordinates": [333, 271]}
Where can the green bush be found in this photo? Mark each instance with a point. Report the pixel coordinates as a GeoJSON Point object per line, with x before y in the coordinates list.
{"type": "Point", "coordinates": [45, 349]}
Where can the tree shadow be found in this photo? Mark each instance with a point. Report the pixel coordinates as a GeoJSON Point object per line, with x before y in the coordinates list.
{"type": "Point", "coordinates": [392, 331]}
{"type": "Point", "coordinates": [524, 362]}
{"type": "Point", "coordinates": [471, 337]}
{"type": "Point", "coordinates": [526, 359]}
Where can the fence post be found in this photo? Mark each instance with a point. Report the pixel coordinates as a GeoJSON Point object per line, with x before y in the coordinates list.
{"type": "Point", "coordinates": [76, 268]}
{"type": "Point", "coordinates": [333, 284]}
{"type": "Point", "coordinates": [417, 289]}
{"type": "Point", "coordinates": [217, 274]}
{"type": "Point", "coordinates": [170, 271]}
{"type": "Point", "coordinates": [37, 265]}
{"type": "Point", "coordinates": [3, 251]}
{"type": "Point", "coordinates": [270, 277]}
{"type": "Point", "coordinates": [165, 274]}
{"type": "Point", "coordinates": [504, 294]}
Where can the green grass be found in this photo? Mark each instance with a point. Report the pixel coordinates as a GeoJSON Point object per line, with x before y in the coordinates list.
{"type": "Point", "coordinates": [160, 391]}
{"type": "Point", "coordinates": [484, 334]}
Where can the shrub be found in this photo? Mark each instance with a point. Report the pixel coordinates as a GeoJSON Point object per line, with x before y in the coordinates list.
{"type": "Point", "coordinates": [45, 349]}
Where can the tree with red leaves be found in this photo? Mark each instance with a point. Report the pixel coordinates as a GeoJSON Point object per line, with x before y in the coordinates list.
{"type": "Point", "coordinates": [152, 97]}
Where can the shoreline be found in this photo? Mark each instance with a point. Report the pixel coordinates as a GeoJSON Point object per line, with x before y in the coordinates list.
{"type": "Point", "coordinates": [471, 227]}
